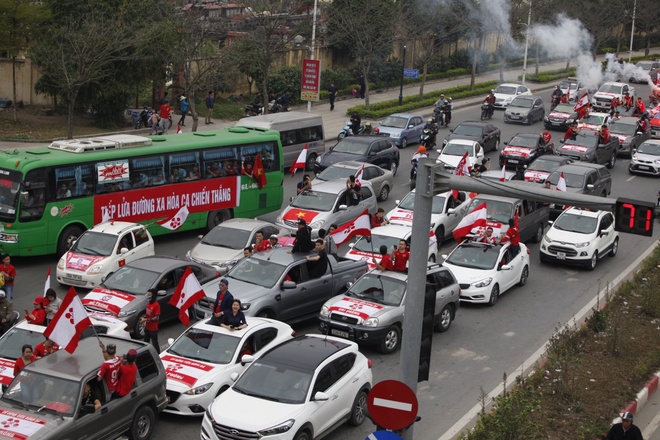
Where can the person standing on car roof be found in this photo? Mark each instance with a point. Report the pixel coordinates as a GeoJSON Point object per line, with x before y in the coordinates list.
{"type": "Point", "coordinates": [223, 300]}
{"type": "Point", "coordinates": [303, 241]}
{"type": "Point", "coordinates": [150, 319]}
{"type": "Point", "coordinates": [400, 256]}
{"type": "Point", "coordinates": [127, 374]}
{"type": "Point", "coordinates": [110, 367]}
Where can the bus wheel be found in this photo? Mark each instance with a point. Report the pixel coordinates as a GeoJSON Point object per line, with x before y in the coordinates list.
{"type": "Point", "coordinates": [217, 217]}
{"type": "Point", "coordinates": [67, 238]}
{"type": "Point", "coordinates": [311, 160]}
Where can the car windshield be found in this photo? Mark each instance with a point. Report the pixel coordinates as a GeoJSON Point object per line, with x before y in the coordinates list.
{"type": "Point", "coordinates": [205, 346]}
{"type": "Point", "coordinates": [564, 108]}
{"type": "Point", "coordinates": [132, 280]}
{"type": "Point", "coordinates": [408, 202]}
{"type": "Point", "coordinates": [455, 149]}
{"type": "Point", "coordinates": [378, 288]}
{"type": "Point", "coordinates": [372, 244]}
{"type": "Point", "coordinates": [565, 84]}
{"type": "Point", "coordinates": [42, 392]}
{"type": "Point", "coordinates": [395, 122]}
{"type": "Point", "coordinates": [506, 90]}
{"type": "Point", "coordinates": [336, 172]}
{"type": "Point", "coordinates": [592, 119]}
{"type": "Point", "coordinates": [610, 88]}
{"type": "Point", "coordinates": [275, 381]}
{"type": "Point", "coordinates": [351, 147]}
{"type": "Point", "coordinates": [256, 271]}
{"type": "Point", "coordinates": [467, 130]}
{"type": "Point", "coordinates": [572, 180]}
{"type": "Point", "coordinates": [524, 141]}
{"type": "Point", "coordinates": [474, 256]}
{"type": "Point", "coordinates": [576, 223]}
{"type": "Point", "coordinates": [315, 200]}
{"type": "Point", "coordinates": [12, 342]}
{"type": "Point", "coordinates": [651, 148]}
{"type": "Point", "coordinates": [522, 103]}
{"type": "Point", "coordinates": [622, 128]}
{"type": "Point", "coordinates": [226, 237]}
{"type": "Point", "coordinates": [545, 165]}
{"type": "Point", "coordinates": [10, 183]}
{"type": "Point", "coordinates": [646, 65]}
{"type": "Point", "coordinates": [95, 243]}
{"type": "Point", "coordinates": [584, 140]}
{"type": "Point", "coordinates": [496, 210]}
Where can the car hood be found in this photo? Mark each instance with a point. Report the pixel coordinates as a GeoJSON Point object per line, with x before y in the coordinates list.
{"type": "Point", "coordinates": [536, 176]}
{"type": "Point", "coordinates": [498, 228]}
{"type": "Point", "coordinates": [111, 301]}
{"type": "Point", "coordinates": [210, 254]}
{"type": "Point", "coordinates": [622, 137]}
{"type": "Point", "coordinates": [468, 275]}
{"type": "Point", "coordinates": [512, 150]}
{"type": "Point", "coordinates": [356, 255]}
{"type": "Point", "coordinates": [571, 148]}
{"type": "Point", "coordinates": [646, 157]}
{"type": "Point", "coordinates": [389, 130]}
{"type": "Point", "coordinates": [462, 136]}
{"type": "Point", "coordinates": [6, 370]}
{"type": "Point", "coordinates": [246, 292]}
{"type": "Point", "coordinates": [559, 115]}
{"type": "Point", "coordinates": [355, 307]}
{"type": "Point", "coordinates": [184, 374]}
{"type": "Point", "coordinates": [28, 425]}
{"type": "Point", "coordinates": [400, 216]}
{"type": "Point", "coordinates": [333, 157]}
{"type": "Point", "coordinates": [568, 237]}
{"type": "Point", "coordinates": [606, 95]}
{"type": "Point", "coordinates": [517, 110]}
{"type": "Point", "coordinates": [292, 214]}
{"type": "Point", "coordinates": [82, 262]}
{"type": "Point", "coordinates": [502, 96]}
{"type": "Point", "coordinates": [229, 409]}
{"type": "Point", "coordinates": [453, 161]}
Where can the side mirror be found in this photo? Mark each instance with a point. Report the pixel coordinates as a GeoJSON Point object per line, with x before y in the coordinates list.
{"type": "Point", "coordinates": [397, 201]}
{"type": "Point", "coordinates": [320, 396]}
{"type": "Point", "coordinates": [343, 207]}
{"type": "Point", "coordinates": [88, 408]}
{"type": "Point", "coordinates": [351, 245]}
{"type": "Point", "coordinates": [288, 285]}
{"type": "Point", "coordinates": [247, 359]}
{"type": "Point", "coordinates": [170, 341]}
{"type": "Point", "coordinates": [634, 150]}
{"type": "Point", "coordinates": [233, 377]}
{"type": "Point", "coordinates": [199, 237]}
{"type": "Point", "coordinates": [162, 292]}
{"type": "Point", "coordinates": [550, 222]}
{"type": "Point", "coordinates": [444, 256]}
{"type": "Point", "coordinates": [451, 211]}
{"type": "Point", "coordinates": [505, 267]}
{"type": "Point", "coordinates": [123, 250]}
{"type": "Point", "coordinates": [590, 186]}
{"type": "Point", "coordinates": [411, 126]}
{"type": "Point", "coordinates": [603, 234]}
{"type": "Point", "coordinates": [291, 199]}
{"type": "Point", "coordinates": [561, 141]}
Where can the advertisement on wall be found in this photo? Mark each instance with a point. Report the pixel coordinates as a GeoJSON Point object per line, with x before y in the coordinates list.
{"type": "Point", "coordinates": [310, 87]}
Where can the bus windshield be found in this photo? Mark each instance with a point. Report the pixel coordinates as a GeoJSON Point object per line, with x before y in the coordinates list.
{"type": "Point", "coordinates": [10, 183]}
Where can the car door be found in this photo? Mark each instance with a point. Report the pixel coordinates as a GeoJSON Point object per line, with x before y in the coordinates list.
{"type": "Point", "coordinates": [538, 109]}
{"type": "Point", "coordinates": [418, 125]}
{"type": "Point", "coordinates": [606, 229]}
{"type": "Point", "coordinates": [447, 289]}
{"type": "Point", "coordinates": [168, 311]}
{"type": "Point", "coordinates": [368, 202]}
{"type": "Point", "coordinates": [591, 179]}
{"type": "Point", "coordinates": [508, 277]}
{"type": "Point", "coordinates": [489, 136]}
{"type": "Point", "coordinates": [307, 297]}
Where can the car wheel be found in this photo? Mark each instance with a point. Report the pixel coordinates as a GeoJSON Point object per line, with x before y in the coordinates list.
{"type": "Point", "coordinates": [404, 143]}
{"type": "Point", "coordinates": [143, 424]}
{"type": "Point", "coordinates": [310, 162]}
{"type": "Point", "coordinates": [523, 276]}
{"type": "Point", "coordinates": [67, 238]}
{"type": "Point", "coordinates": [530, 120]}
{"type": "Point", "coordinates": [497, 144]}
{"type": "Point", "coordinates": [217, 217]}
{"type": "Point", "coordinates": [138, 327]}
{"type": "Point", "coordinates": [594, 260]}
{"type": "Point", "coordinates": [393, 167]}
{"type": "Point", "coordinates": [359, 409]}
{"type": "Point", "coordinates": [615, 247]}
{"type": "Point", "coordinates": [266, 314]}
{"type": "Point", "coordinates": [384, 193]}
{"type": "Point", "coordinates": [439, 235]}
{"type": "Point", "coordinates": [539, 235]}
{"type": "Point", "coordinates": [432, 258]}
{"type": "Point", "coordinates": [612, 161]}
{"type": "Point", "coordinates": [444, 319]}
{"type": "Point", "coordinates": [494, 295]}
{"type": "Point", "coordinates": [391, 340]}
{"type": "Point", "coordinates": [303, 434]}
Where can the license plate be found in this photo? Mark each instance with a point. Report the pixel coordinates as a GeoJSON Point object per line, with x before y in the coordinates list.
{"type": "Point", "coordinates": [512, 160]}
{"type": "Point", "coordinates": [73, 277]}
{"type": "Point", "coordinates": [555, 123]}
{"type": "Point", "coordinates": [514, 117]}
{"type": "Point", "coordinates": [561, 255]}
{"type": "Point", "coordinates": [339, 333]}
{"type": "Point", "coordinates": [644, 167]}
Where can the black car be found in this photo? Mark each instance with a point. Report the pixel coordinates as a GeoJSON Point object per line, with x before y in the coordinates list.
{"type": "Point", "coordinates": [581, 178]}
{"type": "Point", "coordinates": [561, 117]}
{"type": "Point", "coordinates": [630, 137]}
{"type": "Point", "coordinates": [585, 148]}
{"type": "Point", "coordinates": [376, 149]}
{"type": "Point", "coordinates": [485, 133]}
{"type": "Point", "coordinates": [521, 150]}
{"type": "Point", "coordinates": [543, 166]}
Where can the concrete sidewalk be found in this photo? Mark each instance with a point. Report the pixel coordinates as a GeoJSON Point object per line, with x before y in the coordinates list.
{"type": "Point", "coordinates": [333, 121]}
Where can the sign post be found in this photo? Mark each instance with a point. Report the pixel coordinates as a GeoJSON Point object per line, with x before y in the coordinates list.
{"type": "Point", "coordinates": [392, 405]}
{"type": "Point", "coordinates": [310, 88]}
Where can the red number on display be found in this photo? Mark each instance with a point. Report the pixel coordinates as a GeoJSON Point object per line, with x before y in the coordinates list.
{"type": "Point", "coordinates": [647, 225]}
{"type": "Point", "coordinates": [632, 214]}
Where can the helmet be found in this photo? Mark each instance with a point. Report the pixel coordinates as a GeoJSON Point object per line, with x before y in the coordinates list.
{"type": "Point", "coordinates": [368, 124]}
{"type": "Point", "coordinates": [445, 102]}
{"type": "Point", "coordinates": [376, 130]}
{"type": "Point", "coordinates": [492, 90]}
{"type": "Point", "coordinates": [450, 99]}
{"type": "Point", "coordinates": [429, 120]}
{"type": "Point", "coordinates": [442, 95]}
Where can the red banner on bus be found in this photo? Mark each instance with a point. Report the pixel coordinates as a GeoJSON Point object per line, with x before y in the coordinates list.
{"type": "Point", "coordinates": [164, 201]}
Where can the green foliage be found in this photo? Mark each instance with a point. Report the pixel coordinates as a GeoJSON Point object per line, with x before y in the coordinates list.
{"type": "Point", "coordinates": [550, 75]}
{"type": "Point", "coordinates": [286, 78]}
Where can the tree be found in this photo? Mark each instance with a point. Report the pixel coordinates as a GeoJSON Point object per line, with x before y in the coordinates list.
{"type": "Point", "coordinates": [366, 28]}
{"type": "Point", "coordinates": [19, 20]}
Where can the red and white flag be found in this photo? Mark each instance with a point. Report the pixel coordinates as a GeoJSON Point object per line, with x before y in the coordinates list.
{"type": "Point", "coordinates": [300, 163]}
{"type": "Point", "coordinates": [582, 102]}
{"type": "Point", "coordinates": [477, 217]}
{"type": "Point", "coordinates": [503, 175]}
{"type": "Point", "coordinates": [70, 321]}
{"type": "Point", "coordinates": [178, 129]}
{"type": "Point", "coordinates": [359, 226]}
{"type": "Point", "coordinates": [47, 283]}
{"type": "Point", "coordinates": [177, 221]}
{"type": "Point", "coordinates": [561, 183]}
{"type": "Point", "coordinates": [462, 169]}
{"type": "Point", "coordinates": [187, 293]}
{"type": "Point", "coordinates": [358, 175]}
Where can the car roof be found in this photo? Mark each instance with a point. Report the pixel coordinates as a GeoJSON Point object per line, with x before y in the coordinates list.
{"type": "Point", "coordinates": [527, 135]}
{"type": "Point", "coordinates": [479, 123]}
{"type": "Point", "coordinates": [509, 85]}
{"type": "Point", "coordinates": [245, 224]}
{"type": "Point", "coordinates": [496, 198]}
{"type": "Point", "coordinates": [335, 186]}
{"type": "Point", "coordinates": [583, 212]}
{"type": "Point", "coordinates": [480, 244]}
{"type": "Point", "coordinates": [307, 351]}
{"type": "Point", "coordinates": [407, 115]}
{"type": "Point", "coordinates": [599, 114]}
{"type": "Point", "coordinates": [397, 231]}
{"type": "Point", "coordinates": [115, 227]}
{"type": "Point", "coordinates": [579, 168]}
{"type": "Point", "coordinates": [160, 263]}
{"type": "Point", "coordinates": [366, 138]}
{"type": "Point", "coordinates": [354, 164]}
{"type": "Point", "coordinates": [652, 141]}
{"type": "Point", "coordinates": [280, 255]}
{"type": "Point", "coordinates": [402, 275]}
{"type": "Point", "coordinates": [625, 120]}
{"type": "Point", "coordinates": [529, 96]}
{"type": "Point", "coordinates": [462, 141]}
{"type": "Point", "coordinates": [86, 359]}
{"type": "Point", "coordinates": [552, 158]}
{"type": "Point", "coordinates": [255, 323]}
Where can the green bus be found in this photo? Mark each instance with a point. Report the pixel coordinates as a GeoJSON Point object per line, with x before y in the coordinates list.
{"type": "Point", "coordinates": [50, 195]}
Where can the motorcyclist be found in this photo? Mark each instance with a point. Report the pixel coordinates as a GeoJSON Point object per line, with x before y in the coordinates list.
{"type": "Point", "coordinates": [445, 109]}
{"type": "Point", "coordinates": [367, 128]}
{"type": "Point", "coordinates": [439, 102]}
{"type": "Point", "coordinates": [432, 126]}
{"type": "Point", "coordinates": [451, 109]}
{"type": "Point", "coordinates": [284, 101]}
{"type": "Point", "coordinates": [556, 96]}
{"type": "Point", "coordinates": [356, 122]}
{"type": "Point", "coordinates": [420, 154]}
{"type": "Point", "coordinates": [490, 99]}
{"type": "Point", "coordinates": [546, 142]}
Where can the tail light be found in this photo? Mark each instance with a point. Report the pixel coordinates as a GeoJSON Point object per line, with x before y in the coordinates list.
{"type": "Point", "coordinates": [369, 363]}
{"type": "Point", "coordinates": [527, 251]}
{"type": "Point", "coordinates": [293, 334]}
{"type": "Point", "coordinates": [217, 274]}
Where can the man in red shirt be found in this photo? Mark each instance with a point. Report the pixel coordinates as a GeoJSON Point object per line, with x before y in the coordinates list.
{"type": "Point", "coordinates": [639, 107]}
{"type": "Point", "coordinates": [127, 375]}
{"type": "Point", "coordinates": [627, 101]}
{"type": "Point", "coordinates": [260, 244]}
{"type": "Point", "coordinates": [572, 131]}
{"type": "Point", "coordinates": [165, 112]}
{"type": "Point", "coordinates": [603, 134]}
{"type": "Point", "coordinates": [9, 274]}
{"type": "Point", "coordinates": [385, 262]}
{"type": "Point", "coordinates": [110, 367]}
{"type": "Point", "coordinates": [512, 235]}
{"type": "Point", "coordinates": [150, 319]}
{"type": "Point", "coordinates": [378, 219]}
{"type": "Point", "coordinates": [615, 103]}
{"type": "Point", "coordinates": [400, 256]}
{"type": "Point", "coordinates": [45, 348]}
{"type": "Point", "coordinates": [38, 314]}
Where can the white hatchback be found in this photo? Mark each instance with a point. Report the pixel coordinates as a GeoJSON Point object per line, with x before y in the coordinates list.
{"type": "Point", "coordinates": [580, 237]}
{"type": "Point", "coordinates": [102, 250]}
{"type": "Point", "coordinates": [454, 150]}
{"type": "Point", "coordinates": [199, 363]}
{"type": "Point", "coordinates": [504, 93]}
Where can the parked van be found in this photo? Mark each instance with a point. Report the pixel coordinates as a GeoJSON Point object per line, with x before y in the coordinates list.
{"type": "Point", "coordinates": [297, 129]}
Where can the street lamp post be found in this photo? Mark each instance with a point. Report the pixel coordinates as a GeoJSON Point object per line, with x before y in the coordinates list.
{"type": "Point", "coordinates": [403, 66]}
{"type": "Point", "coordinates": [311, 48]}
{"type": "Point", "coordinates": [632, 32]}
{"type": "Point", "coordinates": [529, 20]}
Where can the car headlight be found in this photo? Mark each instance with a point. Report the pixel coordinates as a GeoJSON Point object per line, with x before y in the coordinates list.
{"type": "Point", "coordinates": [371, 322]}
{"type": "Point", "coordinates": [656, 161]}
{"type": "Point", "coordinates": [396, 134]}
{"type": "Point", "coordinates": [209, 415]}
{"type": "Point", "coordinates": [199, 390]}
{"type": "Point", "coordinates": [570, 121]}
{"type": "Point", "coordinates": [634, 157]}
{"type": "Point", "coordinates": [61, 264]}
{"type": "Point", "coordinates": [548, 239]}
{"type": "Point", "coordinates": [227, 263]}
{"type": "Point", "coordinates": [483, 283]}
{"type": "Point", "coordinates": [245, 306]}
{"type": "Point", "coordinates": [278, 429]}
{"type": "Point", "coordinates": [325, 311]}
{"type": "Point", "coordinates": [318, 159]}
{"type": "Point", "coordinates": [188, 255]}
{"type": "Point", "coordinates": [125, 313]}
{"type": "Point", "coordinates": [318, 224]}
{"type": "Point", "coordinates": [581, 245]}
{"type": "Point", "coordinates": [278, 219]}
{"type": "Point", "coordinates": [95, 269]}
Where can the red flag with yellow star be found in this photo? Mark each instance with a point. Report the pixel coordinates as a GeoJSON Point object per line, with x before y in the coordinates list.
{"type": "Point", "coordinates": [259, 172]}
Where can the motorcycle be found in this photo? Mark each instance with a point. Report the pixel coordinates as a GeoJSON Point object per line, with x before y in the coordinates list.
{"type": "Point", "coordinates": [142, 119]}
{"type": "Point", "coordinates": [486, 111]}
{"type": "Point", "coordinates": [348, 131]}
{"type": "Point", "coordinates": [254, 110]}
{"type": "Point", "coordinates": [554, 102]}
{"type": "Point", "coordinates": [428, 138]}
{"type": "Point", "coordinates": [442, 116]}
{"type": "Point", "coordinates": [274, 107]}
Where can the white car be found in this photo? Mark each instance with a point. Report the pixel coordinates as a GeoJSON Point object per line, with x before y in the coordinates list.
{"type": "Point", "coordinates": [580, 237]}
{"type": "Point", "coordinates": [593, 120]}
{"type": "Point", "coordinates": [366, 248]}
{"type": "Point", "coordinates": [199, 363]}
{"type": "Point", "coordinates": [574, 87]}
{"type": "Point", "coordinates": [452, 153]}
{"type": "Point", "coordinates": [446, 212]}
{"type": "Point", "coordinates": [485, 271]}
{"type": "Point", "coordinates": [223, 246]}
{"type": "Point", "coordinates": [25, 333]}
{"type": "Point", "coordinates": [301, 389]}
{"type": "Point", "coordinates": [646, 158]}
{"type": "Point", "coordinates": [101, 250]}
{"type": "Point", "coordinates": [504, 93]}
{"type": "Point", "coordinates": [381, 179]}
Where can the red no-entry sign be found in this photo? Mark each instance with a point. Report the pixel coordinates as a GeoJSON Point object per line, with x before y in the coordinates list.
{"type": "Point", "coordinates": [392, 404]}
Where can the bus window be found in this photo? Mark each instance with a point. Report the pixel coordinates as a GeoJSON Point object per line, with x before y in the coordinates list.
{"type": "Point", "coordinates": [153, 168]}
{"type": "Point", "coordinates": [183, 166]}
{"type": "Point", "coordinates": [73, 181]}
{"type": "Point", "coordinates": [219, 163]}
{"type": "Point", "coordinates": [249, 154]}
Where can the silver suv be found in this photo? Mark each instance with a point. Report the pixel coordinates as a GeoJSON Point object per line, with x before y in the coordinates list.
{"type": "Point", "coordinates": [45, 400]}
